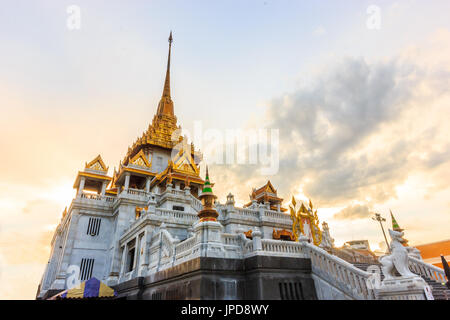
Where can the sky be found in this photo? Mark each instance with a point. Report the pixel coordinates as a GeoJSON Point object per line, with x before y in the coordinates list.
{"type": "Point", "coordinates": [361, 107]}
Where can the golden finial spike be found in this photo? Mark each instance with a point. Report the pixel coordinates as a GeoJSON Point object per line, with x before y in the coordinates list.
{"type": "Point", "coordinates": [166, 105]}
{"type": "Point", "coordinates": [166, 92]}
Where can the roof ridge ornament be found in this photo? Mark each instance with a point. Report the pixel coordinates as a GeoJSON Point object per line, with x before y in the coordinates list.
{"type": "Point", "coordinates": [165, 106]}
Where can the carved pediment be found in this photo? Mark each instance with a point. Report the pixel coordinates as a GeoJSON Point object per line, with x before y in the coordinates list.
{"type": "Point", "coordinates": [97, 164]}
{"type": "Point", "coordinates": [140, 160]}
{"type": "Point", "coordinates": [184, 162]}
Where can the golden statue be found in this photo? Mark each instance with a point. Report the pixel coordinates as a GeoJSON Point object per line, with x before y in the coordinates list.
{"type": "Point", "coordinates": [305, 222]}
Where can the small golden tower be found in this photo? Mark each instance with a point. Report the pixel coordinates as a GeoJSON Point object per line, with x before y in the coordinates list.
{"type": "Point", "coordinates": [208, 213]}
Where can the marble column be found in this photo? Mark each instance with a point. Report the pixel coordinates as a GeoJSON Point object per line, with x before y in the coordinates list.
{"type": "Point", "coordinates": [127, 181]}
{"type": "Point", "coordinates": [147, 185]}
{"type": "Point", "coordinates": [104, 184]}
{"type": "Point", "coordinates": [81, 186]}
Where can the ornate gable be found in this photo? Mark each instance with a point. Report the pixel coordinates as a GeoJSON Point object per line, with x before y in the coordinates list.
{"type": "Point", "coordinates": [270, 188]}
{"type": "Point", "coordinates": [97, 164]}
{"type": "Point", "coordinates": [184, 162]}
{"type": "Point", "coordinates": [140, 160]}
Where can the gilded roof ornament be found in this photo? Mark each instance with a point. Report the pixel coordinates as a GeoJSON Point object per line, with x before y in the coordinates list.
{"type": "Point", "coordinates": [305, 221]}
{"type": "Point", "coordinates": [97, 164]}
{"type": "Point", "coordinates": [162, 130]}
{"type": "Point", "coordinates": [141, 160]}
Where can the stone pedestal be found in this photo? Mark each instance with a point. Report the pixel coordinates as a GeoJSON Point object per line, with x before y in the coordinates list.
{"type": "Point", "coordinates": [402, 288]}
{"type": "Point", "coordinates": [256, 238]}
{"type": "Point", "coordinates": [209, 238]}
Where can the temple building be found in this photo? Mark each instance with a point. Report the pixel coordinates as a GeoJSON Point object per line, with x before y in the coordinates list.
{"type": "Point", "coordinates": [155, 230]}
{"type": "Point", "coordinates": [432, 252]}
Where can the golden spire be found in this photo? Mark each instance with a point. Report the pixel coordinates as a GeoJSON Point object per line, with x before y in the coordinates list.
{"type": "Point", "coordinates": [166, 104]}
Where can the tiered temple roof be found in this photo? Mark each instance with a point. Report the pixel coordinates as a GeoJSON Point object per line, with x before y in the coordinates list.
{"type": "Point", "coordinates": [163, 132]}
{"type": "Point", "coordinates": [266, 194]}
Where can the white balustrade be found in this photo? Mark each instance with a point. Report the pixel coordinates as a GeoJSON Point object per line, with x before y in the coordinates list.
{"type": "Point", "coordinates": [282, 247]}
{"type": "Point", "coordinates": [247, 213]}
{"type": "Point", "coordinates": [350, 279]}
{"type": "Point", "coordinates": [277, 215]}
{"type": "Point", "coordinates": [231, 239]}
{"type": "Point", "coordinates": [196, 204]}
{"type": "Point", "coordinates": [137, 192]}
{"type": "Point", "coordinates": [248, 247]}
{"type": "Point", "coordinates": [183, 250]}
{"type": "Point", "coordinates": [98, 197]}
{"type": "Point", "coordinates": [179, 215]}
{"type": "Point", "coordinates": [428, 270]}
{"type": "Point", "coordinates": [178, 192]}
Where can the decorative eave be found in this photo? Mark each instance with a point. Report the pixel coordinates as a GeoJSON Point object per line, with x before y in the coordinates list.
{"type": "Point", "coordinates": [134, 170]}
{"type": "Point", "coordinates": [178, 174]}
{"type": "Point", "coordinates": [277, 234]}
{"type": "Point", "coordinates": [268, 197]}
{"type": "Point", "coordinates": [112, 191]}
{"type": "Point", "coordinates": [99, 177]}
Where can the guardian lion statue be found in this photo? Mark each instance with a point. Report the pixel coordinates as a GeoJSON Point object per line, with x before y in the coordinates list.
{"type": "Point", "coordinates": [397, 260]}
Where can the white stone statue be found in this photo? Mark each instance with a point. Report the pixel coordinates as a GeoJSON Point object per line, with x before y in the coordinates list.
{"type": "Point", "coordinates": [398, 259]}
{"type": "Point", "coordinates": [414, 252]}
{"type": "Point", "coordinates": [327, 241]}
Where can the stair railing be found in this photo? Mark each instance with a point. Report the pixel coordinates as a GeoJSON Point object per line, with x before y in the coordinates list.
{"type": "Point", "coordinates": [428, 270]}
{"type": "Point", "coordinates": [345, 276]}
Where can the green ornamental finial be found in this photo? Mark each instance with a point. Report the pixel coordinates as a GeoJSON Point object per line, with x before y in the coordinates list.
{"type": "Point", "coordinates": [207, 185]}
{"type": "Point", "coordinates": [395, 225]}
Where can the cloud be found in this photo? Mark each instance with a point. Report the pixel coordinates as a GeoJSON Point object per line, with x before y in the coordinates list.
{"type": "Point", "coordinates": [320, 31]}
{"type": "Point", "coordinates": [357, 211]}
{"type": "Point", "coordinates": [359, 129]}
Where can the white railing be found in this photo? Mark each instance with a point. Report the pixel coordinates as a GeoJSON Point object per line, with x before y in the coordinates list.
{"type": "Point", "coordinates": [179, 215]}
{"type": "Point", "coordinates": [277, 215]}
{"type": "Point", "coordinates": [97, 197]}
{"type": "Point", "coordinates": [428, 270]}
{"type": "Point", "coordinates": [185, 245]}
{"type": "Point", "coordinates": [282, 247]}
{"type": "Point", "coordinates": [344, 276]}
{"type": "Point", "coordinates": [196, 204]}
{"type": "Point", "coordinates": [137, 192]}
{"type": "Point", "coordinates": [247, 213]}
{"type": "Point", "coordinates": [110, 199]}
{"type": "Point", "coordinates": [231, 239]}
{"type": "Point", "coordinates": [178, 192]}
{"type": "Point", "coordinates": [348, 278]}
{"type": "Point", "coordinates": [92, 196]}
{"type": "Point", "coordinates": [183, 250]}
{"type": "Point", "coordinates": [248, 247]}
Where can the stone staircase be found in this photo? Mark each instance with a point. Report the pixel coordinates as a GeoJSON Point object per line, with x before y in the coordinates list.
{"type": "Point", "coordinates": [440, 291]}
